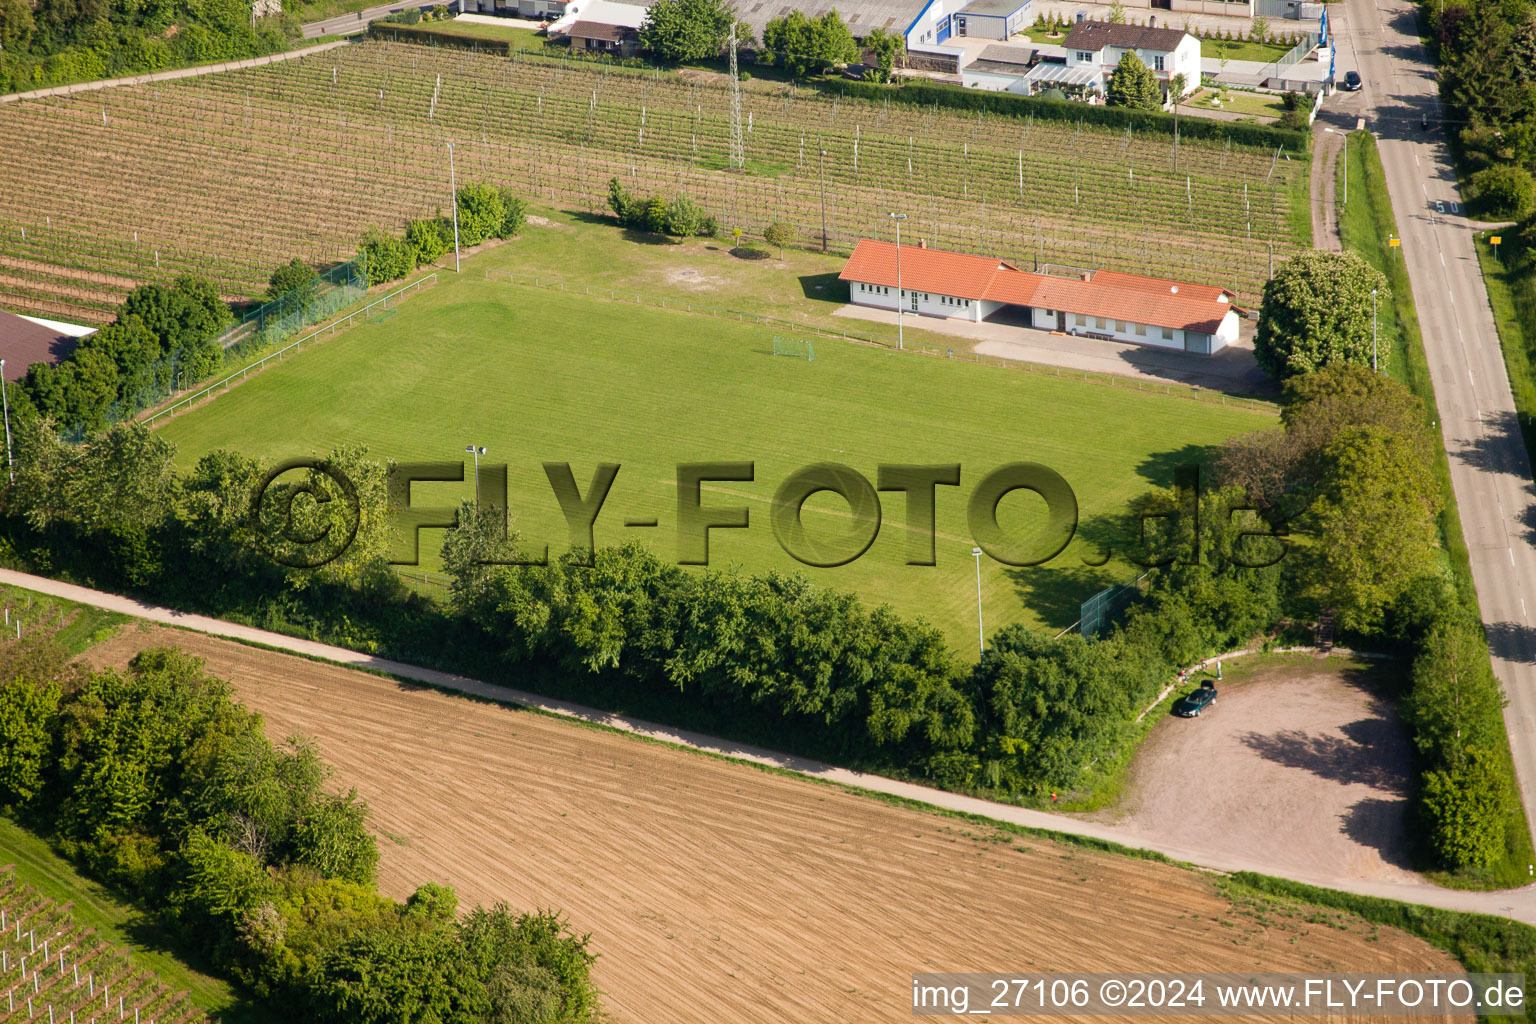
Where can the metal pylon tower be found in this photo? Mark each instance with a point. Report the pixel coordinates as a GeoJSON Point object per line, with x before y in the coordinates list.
{"type": "Point", "coordinates": [738, 150]}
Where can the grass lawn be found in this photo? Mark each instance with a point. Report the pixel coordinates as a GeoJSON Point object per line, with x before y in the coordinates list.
{"type": "Point", "coordinates": [536, 375]}
{"type": "Point", "coordinates": [1237, 101]}
{"type": "Point", "coordinates": [1262, 52]}
{"type": "Point", "coordinates": [524, 38]}
{"type": "Point", "coordinates": [120, 924]}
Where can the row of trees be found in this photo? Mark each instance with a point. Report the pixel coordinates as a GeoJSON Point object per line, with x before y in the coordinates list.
{"type": "Point", "coordinates": [48, 42]}
{"type": "Point", "coordinates": [484, 212]}
{"type": "Point", "coordinates": [681, 31]}
{"type": "Point", "coordinates": [157, 781]}
{"type": "Point", "coordinates": [1353, 468]}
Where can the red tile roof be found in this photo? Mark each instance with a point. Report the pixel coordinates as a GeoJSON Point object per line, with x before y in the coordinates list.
{"type": "Point", "coordinates": [1108, 293]}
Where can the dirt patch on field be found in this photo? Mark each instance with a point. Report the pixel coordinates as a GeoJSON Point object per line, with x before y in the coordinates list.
{"type": "Point", "coordinates": [1303, 758]}
{"type": "Point", "coordinates": [715, 891]}
{"type": "Point", "coordinates": [693, 279]}
{"type": "Point", "coordinates": [544, 222]}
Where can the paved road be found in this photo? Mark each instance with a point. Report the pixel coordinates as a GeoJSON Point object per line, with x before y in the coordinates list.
{"type": "Point", "coordinates": [351, 24]}
{"type": "Point", "coordinates": [1519, 904]}
{"type": "Point", "coordinates": [1490, 471]}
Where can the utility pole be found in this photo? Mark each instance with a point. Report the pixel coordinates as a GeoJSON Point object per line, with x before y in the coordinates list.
{"type": "Point", "coordinates": [476, 450]}
{"type": "Point", "coordinates": [453, 189]}
{"type": "Point", "coordinates": [5, 400]}
{"type": "Point", "coordinates": [823, 163]}
{"type": "Point", "coordinates": [901, 298]}
{"type": "Point", "coordinates": [981, 641]}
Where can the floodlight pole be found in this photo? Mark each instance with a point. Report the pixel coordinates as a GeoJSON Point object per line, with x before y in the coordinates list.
{"type": "Point", "coordinates": [476, 450]}
{"type": "Point", "coordinates": [822, 165]}
{"type": "Point", "coordinates": [453, 188]}
{"type": "Point", "coordinates": [1373, 331]}
{"type": "Point", "coordinates": [5, 400]}
{"type": "Point", "coordinates": [900, 298]}
{"type": "Point", "coordinates": [981, 642]}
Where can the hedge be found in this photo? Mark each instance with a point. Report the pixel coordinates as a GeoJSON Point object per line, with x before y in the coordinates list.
{"type": "Point", "coordinates": [944, 95]}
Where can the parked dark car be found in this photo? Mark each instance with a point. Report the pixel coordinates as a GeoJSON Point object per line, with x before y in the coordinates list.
{"type": "Point", "coordinates": [1352, 81]}
{"type": "Point", "coordinates": [1195, 701]}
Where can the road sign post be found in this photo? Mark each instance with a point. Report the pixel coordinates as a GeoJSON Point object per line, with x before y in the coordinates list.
{"type": "Point", "coordinates": [1494, 241]}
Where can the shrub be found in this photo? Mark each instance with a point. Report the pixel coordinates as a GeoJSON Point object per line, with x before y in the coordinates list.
{"type": "Point", "coordinates": [481, 212]}
{"type": "Point", "coordinates": [514, 214]}
{"type": "Point", "coordinates": [388, 258]}
{"type": "Point", "coordinates": [1504, 191]}
{"type": "Point", "coordinates": [429, 238]}
{"type": "Point", "coordinates": [1466, 808]}
{"type": "Point", "coordinates": [1317, 311]}
{"type": "Point", "coordinates": [295, 278]}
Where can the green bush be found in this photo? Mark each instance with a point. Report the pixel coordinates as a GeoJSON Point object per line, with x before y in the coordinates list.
{"type": "Point", "coordinates": [481, 211]}
{"type": "Point", "coordinates": [1504, 191]}
{"type": "Point", "coordinates": [388, 258]}
{"type": "Point", "coordinates": [431, 238]}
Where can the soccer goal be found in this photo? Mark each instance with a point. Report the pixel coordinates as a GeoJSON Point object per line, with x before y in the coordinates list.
{"type": "Point", "coordinates": [794, 347]}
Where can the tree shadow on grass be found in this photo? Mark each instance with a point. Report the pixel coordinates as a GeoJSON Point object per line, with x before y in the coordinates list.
{"type": "Point", "coordinates": [1158, 468]}
{"type": "Point", "coordinates": [1056, 590]}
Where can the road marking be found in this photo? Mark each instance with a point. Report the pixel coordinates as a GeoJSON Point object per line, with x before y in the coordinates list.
{"type": "Point", "coordinates": [1442, 259]}
{"type": "Point", "coordinates": [1511, 556]}
{"type": "Point", "coordinates": [1524, 614]}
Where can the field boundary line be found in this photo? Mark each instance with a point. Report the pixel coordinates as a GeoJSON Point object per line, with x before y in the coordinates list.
{"type": "Point", "coordinates": [1496, 904]}
{"type": "Point", "coordinates": [195, 71]}
{"type": "Point", "coordinates": [329, 328]}
{"type": "Point", "coordinates": [1190, 391]}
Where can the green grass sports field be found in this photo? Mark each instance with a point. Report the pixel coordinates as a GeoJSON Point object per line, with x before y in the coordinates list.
{"type": "Point", "coordinates": [537, 375]}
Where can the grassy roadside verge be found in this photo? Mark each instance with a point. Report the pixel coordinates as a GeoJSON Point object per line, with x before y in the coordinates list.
{"type": "Point", "coordinates": [75, 626]}
{"type": "Point", "coordinates": [1498, 277]}
{"type": "Point", "coordinates": [1365, 225]}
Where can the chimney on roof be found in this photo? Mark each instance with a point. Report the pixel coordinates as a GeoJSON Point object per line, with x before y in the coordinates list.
{"type": "Point", "coordinates": [922, 243]}
{"type": "Point", "coordinates": [1086, 275]}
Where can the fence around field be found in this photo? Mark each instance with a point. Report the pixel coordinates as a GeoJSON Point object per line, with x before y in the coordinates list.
{"type": "Point", "coordinates": [619, 295]}
{"type": "Point", "coordinates": [384, 305]}
{"type": "Point", "coordinates": [325, 296]}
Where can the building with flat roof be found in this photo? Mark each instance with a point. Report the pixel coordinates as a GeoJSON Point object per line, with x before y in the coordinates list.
{"type": "Point", "coordinates": [992, 19]}
{"type": "Point", "coordinates": [1102, 304]}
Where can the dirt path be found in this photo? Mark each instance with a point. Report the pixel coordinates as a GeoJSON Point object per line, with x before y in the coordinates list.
{"type": "Point", "coordinates": [715, 891]}
{"type": "Point", "coordinates": [164, 76]}
{"type": "Point", "coordinates": [1326, 147]}
{"type": "Point", "coordinates": [1518, 904]}
{"type": "Point", "coordinates": [1302, 759]}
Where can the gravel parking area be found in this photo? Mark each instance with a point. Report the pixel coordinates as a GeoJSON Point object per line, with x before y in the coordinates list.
{"type": "Point", "coordinates": [1300, 757]}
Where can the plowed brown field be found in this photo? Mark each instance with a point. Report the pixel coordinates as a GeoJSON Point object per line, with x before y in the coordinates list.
{"type": "Point", "coordinates": [715, 891]}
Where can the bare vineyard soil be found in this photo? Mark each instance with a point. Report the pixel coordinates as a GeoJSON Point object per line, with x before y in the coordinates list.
{"type": "Point", "coordinates": [231, 175]}
{"type": "Point", "coordinates": [718, 892]}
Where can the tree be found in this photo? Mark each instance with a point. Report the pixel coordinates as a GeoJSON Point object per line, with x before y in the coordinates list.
{"type": "Point", "coordinates": [387, 258]}
{"type": "Point", "coordinates": [1116, 12]}
{"type": "Point", "coordinates": [481, 211]}
{"type": "Point", "coordinates": [28, 711]}
{"type": "Point", "coordinates": [1455, 702]}
{"type": "Point", "coordinates": [431, 238]}
{"type": "Point", "coordinates": [295, 278]}
{"type": "Point", "coordinates": [1467, 808]}
{"type": "Point", "coordinates": [1506, 191]}
{"type": "Point", "coordinates": [1317, 311]}
{"type": "Point", "coordinates": [780, 234]}
{"type": "Point", "coordinates": [686, 30]}
{"type": "Point", "coordinates": [16, 25]}
{"type": "Point", "coordinates": [515, 212]}
{"type": "Point", "coordinates": [1259, 29]}
{"type": "Point", "coordinates": [1374, 522]}
{"type": "Point", "coordinates": [886, 48]}
{"type": "Point", "coordinates": [1133, 85]}
{"type": "Point", "coordinates": [802, 45]}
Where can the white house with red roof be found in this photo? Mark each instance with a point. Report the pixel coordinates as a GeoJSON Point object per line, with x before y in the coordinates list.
{"type": "Point", "coordinates": [1098, 304]}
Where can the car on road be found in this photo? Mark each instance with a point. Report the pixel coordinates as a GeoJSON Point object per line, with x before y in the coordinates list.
{"type": "Point", "coordinates": [1352, 81]}
{"type": "Point", "coordinates": [1195, 701]}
